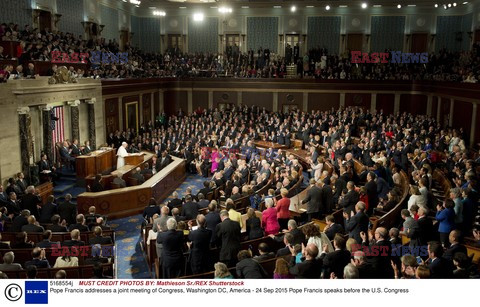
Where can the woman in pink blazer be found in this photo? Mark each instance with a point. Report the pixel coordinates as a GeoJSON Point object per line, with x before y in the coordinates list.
{"type": "Point", "coordinates": [269, 218]}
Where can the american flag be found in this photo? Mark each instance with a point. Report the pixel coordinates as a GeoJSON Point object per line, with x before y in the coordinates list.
{"type": "Point", "coordinates": [57, 125]}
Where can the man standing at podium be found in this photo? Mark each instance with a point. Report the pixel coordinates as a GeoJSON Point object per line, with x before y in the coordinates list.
{"type": "Point", "coordinates": [121, 154]}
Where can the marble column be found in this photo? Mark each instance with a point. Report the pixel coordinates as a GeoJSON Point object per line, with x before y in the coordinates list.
{"type": "Point", "coordinates": [25, 140]}
{"type": "Point", "coordinates": [47, 132]}
{"type": "Point", "coordinates": [91, 122]}
{"type": "Point", "coordinates": [75, 119]}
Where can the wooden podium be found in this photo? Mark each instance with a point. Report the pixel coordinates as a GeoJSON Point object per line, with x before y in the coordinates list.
{"type": "Point", "coordinates": [134, 159]}
{"type": "Point", "coordinates": [96, 162]}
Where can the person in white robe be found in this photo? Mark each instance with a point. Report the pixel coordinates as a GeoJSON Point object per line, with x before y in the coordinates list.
{"type": "Point", "coordinates": [121, 154]}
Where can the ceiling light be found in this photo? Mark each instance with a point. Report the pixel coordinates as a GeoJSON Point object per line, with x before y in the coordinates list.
{"type": "Point", "coordinates": [136, 2]}
{"type": "Point", "coordinates": [310, 6]}
{"type": "Point", "coordinates": [399, 6]}
{"type": "Point", "coordinates": [293, 9]}
{"type": "Point", "coordinates": [225, 10]}
{"type": "Point", "coordinates": [159, 13]}
{"type": "Point", "coordinates": [343, 6]}
{"type": "Point", "coordinates": [412, 5]}
{"type": "Point", "coordinates": [327, 7]}
{"type": "Point", "coordinates": [245, 7]}
{"type": "Point", "coordinates": [449, 5]}
{"type": "Point", "coordinates": [445, 6]}
{"type": "Point", "coordinates": [364, 5]}
{"type": "Point", "coordinates": [198, 17]}
{"type": "Point", "coordinates": [454, 3]}
{"type": "Point", "coordinates": [436, 5]}
{"type": "Point", "coordinates": [152, 7]}
{"type": "Point", "coordinates": [182, 7]}
{"type": "Point", "coordinates": [465, 2]}
{"type": "Point", "coordinates": [377, 5]}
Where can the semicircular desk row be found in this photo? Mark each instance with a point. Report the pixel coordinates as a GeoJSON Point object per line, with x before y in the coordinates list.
{"type": "Point", "coordinates": [131, 200]}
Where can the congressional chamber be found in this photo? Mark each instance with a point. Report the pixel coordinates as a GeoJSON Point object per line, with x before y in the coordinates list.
{"type": "Point", "coordinates": [239, 140]}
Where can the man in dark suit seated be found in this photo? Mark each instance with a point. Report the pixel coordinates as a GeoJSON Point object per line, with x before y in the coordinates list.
{"type": "Point", "coordinates": [48, 210]}
{"type": "Point", "coordinates": [80, 224]}
{"type": "Point", "coordinates": [39, 260]}
{"type": "Point", "coordinates": [163, 161]}
{"type": "Point", "coordinates": [355, 224]}
{"type": "Point", "coordinates": [288, 241]}
{"type": "Point", "coordinates": [247, 268]}
{"type": "Point", "coordinates": [56, 225]}
{"type": "Point", "coordinates": [118, 180]}
{"type": "Point", "coordinates": [21, 241]}
{"type": "Point", "coordinates": [335, 261]}
{"type": "Point", "coordinates": [31, 201]}
{"type": "Point", "coordinates": [235, 194]}
{"type": "Point", "coordinates": [455, 246]}
{"type": "Point", "coordinates": [228, 232]}
{"type": "Point", "coordinates": [99, 238]}
{"type": "Point", "coordinates": [138, 176]}
{"type": "Point", "coordinates": [91, 217]}
{"type": "Point", "coordinates": [331, 229]}
{"type": "Point", "coordinates": [310, 267]}
{"type": "Point", "coordinates": [87, 149]}
{"type": "Point", "coordinates": [67, 210]}
{"type": "Point", "coordinates": [32, 225]}
{"type": "Point", "coordinates": [97, 184]}
{"type": "Point", "coordinates": [8, 264]}
{"type": "Point", "coordinates": [264, 253]}
{"type": "Point", "coordinates": [439, 266]}
{"type": "Point", "coordinates": [150, 210]}
{"type": "Point", "coordinates": [46, 242]}
{"type": "Point", "coordinates": [365, 269]}
{"type": "Point", "coordinates": [75, 149]}
{"type": "Point", "coordinates": [190, 208]}
{"type": "Point", "coordinates": [202, 202]}
{"type": "Point", "coordinates": [176, 215]}
{"type": "Point", "coordinates": [75, 239]}
{"type": "Point", "coordinates": [199, 245]}
{"type": "Point", "coordinates": [147, 170]}
{"type": "Point", "coordinates": [172, 252]}
{"type": "Point", "coordinates": [175, 202]}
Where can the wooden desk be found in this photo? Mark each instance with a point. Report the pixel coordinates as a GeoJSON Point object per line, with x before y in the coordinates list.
{"type": "Point", "coordinates": [265, 144]}
{"type": "Point", "coordinates": [96, 162]}
{"type": "Point", "coordinates": [134, 159]}
{"type": "Point", "coordinates": [45, 190]}
{"type": "Point", "coordinates": [132, 200]}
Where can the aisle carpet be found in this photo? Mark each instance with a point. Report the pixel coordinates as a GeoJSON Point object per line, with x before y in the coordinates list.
{"type": "Point", "coordinates": [131, 262]}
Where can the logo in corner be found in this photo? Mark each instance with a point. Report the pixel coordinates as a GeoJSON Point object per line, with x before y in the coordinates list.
{"type": "Point", "coordinates": [13, 292]}
{"type": "Point", "coordinates": [36, 292]}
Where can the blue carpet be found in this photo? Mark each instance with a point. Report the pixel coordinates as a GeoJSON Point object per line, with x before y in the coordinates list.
{"type": "Point", "coordinates": [131, 261]}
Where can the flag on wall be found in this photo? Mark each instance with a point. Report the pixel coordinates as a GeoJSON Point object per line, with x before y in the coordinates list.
{"type": "Point", "coordinates": [57, 121]}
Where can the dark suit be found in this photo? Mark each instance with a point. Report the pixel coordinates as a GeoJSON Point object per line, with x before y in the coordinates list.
{"type": "Point", "coordinates": [456, 248]}
{"type": "Point", "coordinates": [439, 268]}
{"type": "Point", "coordinates": [67, 212]}
{"type": "Point", "coordinates": [371, 187]}
{"type": "Point", "coordinates": [314, 199]}
{"type": "Point", "coordinates": [425, 230]}
{"type": "Point", "coordinates": [250, 269]}
{"type": "Point", "coordinates": [40, 264]}
{"type": "Point", "coordinates": [381, 263]}
{"type": "Point", "coordinates": [71, 243]}
{"type": "Point", "coordinates": [162, 162]}
{"type": "Point", "coordinates": [229, 233]}
{"type": "Point", "coordinates": [349, 201]}
{"type": "Point", "coordinates": [80, 227]}
{"type": "Point", "coordinates": [57, 228]}
{"type": "Point", "coordinates": [172, 252]}
{"type": "Point", "coordinates": [100, 240]}
{"type": "Point", "coordinates": [32, 228]}
{"type": "Point", "coordinates": [335, 262]}
{"type": "Point", "coordinates": [30, 202]}
{"type": "Point", "coordinates": [334, 229]}
{"type": "Point", "coordinates": [200, 249]}
{"type": "Point", "coordinates": [310, 269]}
{"type": "Point", "coordinates": [174, 203]}
{"type": "Point", "coordinates": [357, 224]}
{"type": "Point", "coordinates": [47, 244]}
{"type": "Point", "coordinates": [254, 228]}
{"type": "Point", "coordinates": [190, 210]}
{"type": "Point", "coordinates": [212, 219]}
{"type": "Point", "coordinates": [46, 213]}
{"type": "Point", "coordinates": [18, 223]}
{"type": "Point", "coordinates": [327, 198]}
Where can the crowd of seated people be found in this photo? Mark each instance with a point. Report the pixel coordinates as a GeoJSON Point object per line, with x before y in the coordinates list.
{"type": "Point", "coordinates": [367, 151]}
{"type": "Point", "coordinates": [30, 226]}
{"type": "Point", "coordinates": [35, 45]}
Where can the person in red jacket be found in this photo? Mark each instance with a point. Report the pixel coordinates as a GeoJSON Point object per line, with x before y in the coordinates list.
{"type": "Point", "coordinates": [283, 212]}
